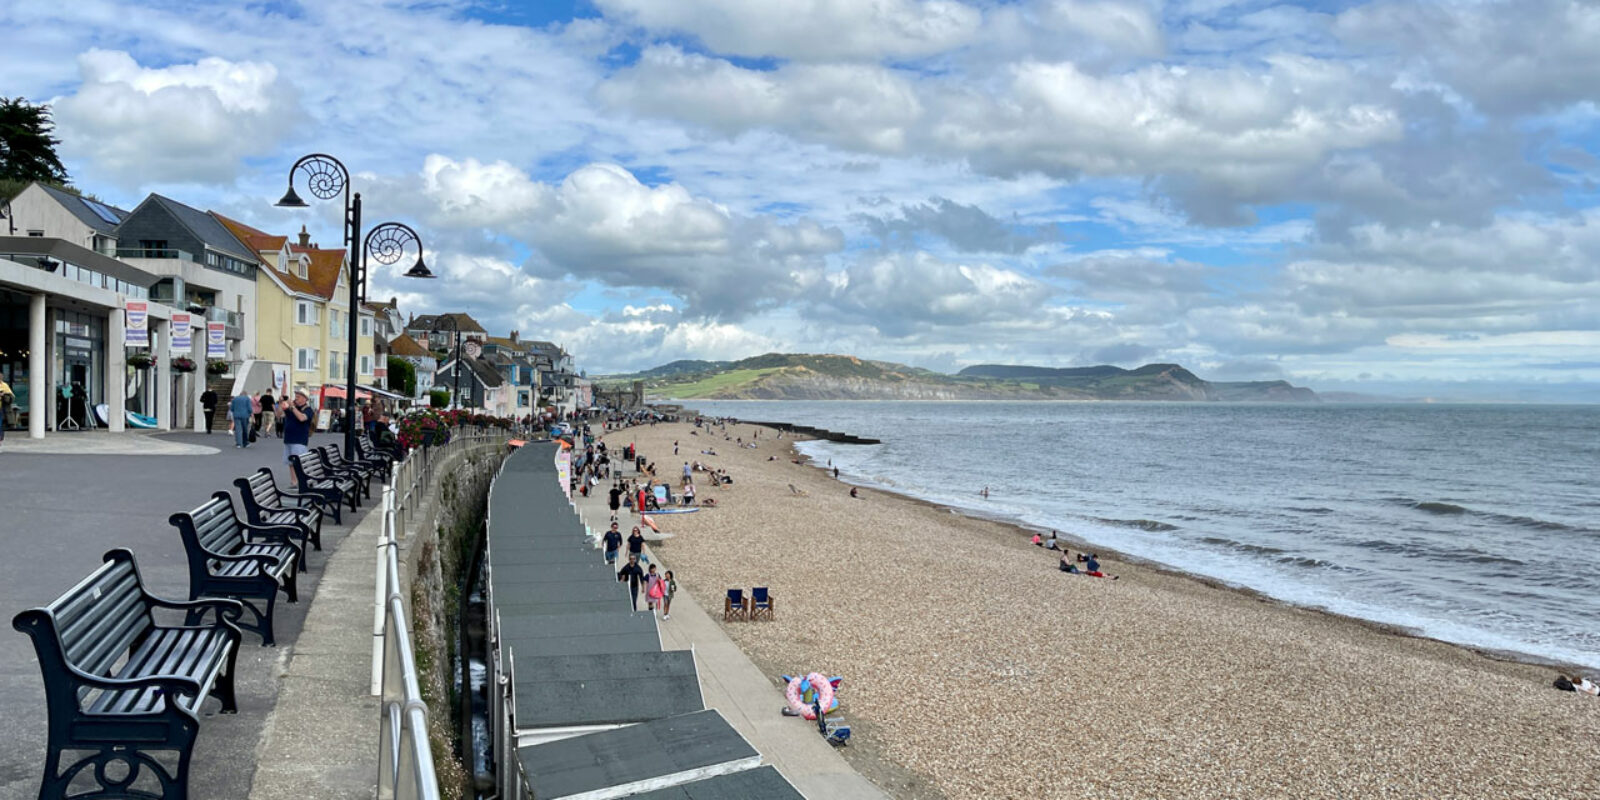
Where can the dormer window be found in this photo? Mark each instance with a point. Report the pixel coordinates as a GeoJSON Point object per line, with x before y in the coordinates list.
{"type": "Point", "coordinates": [301, 267]}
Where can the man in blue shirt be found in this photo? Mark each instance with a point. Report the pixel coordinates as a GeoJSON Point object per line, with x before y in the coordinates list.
{"type": "Point", "coordinates": [239, 408]}
{"type": "Point", "coordinates": [296, 428]}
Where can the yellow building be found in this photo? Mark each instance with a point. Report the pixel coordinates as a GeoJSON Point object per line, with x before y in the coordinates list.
{"type": "Point", "coordinates": [302, 311]}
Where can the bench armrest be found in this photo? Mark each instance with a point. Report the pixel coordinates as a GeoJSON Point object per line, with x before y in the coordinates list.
{"type": "Point", "coordinates": [261, 558]}
{"type": "Point", "coordinates": [226, 609]}
{"type": "Point", "coordinates": [277, 533]}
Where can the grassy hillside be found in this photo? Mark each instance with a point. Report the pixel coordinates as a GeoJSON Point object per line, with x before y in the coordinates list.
{"type": "Point", "coordinates": [797, 376]}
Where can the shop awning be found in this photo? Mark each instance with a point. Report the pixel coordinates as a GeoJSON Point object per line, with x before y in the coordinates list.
{"type": "Point", "coordinates": [362, 390]}
{"type": "Point", "coordinates": [333, 391]}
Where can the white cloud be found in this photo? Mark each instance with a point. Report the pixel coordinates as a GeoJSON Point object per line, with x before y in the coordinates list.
{"type": "Point", "coordinates": [809, 29]}
{"type": "Point", "coordinates": [186, 122]}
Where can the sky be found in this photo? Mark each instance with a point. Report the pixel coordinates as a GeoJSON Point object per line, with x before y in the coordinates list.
{"type": "Point", "coordinates": [1395, 198]}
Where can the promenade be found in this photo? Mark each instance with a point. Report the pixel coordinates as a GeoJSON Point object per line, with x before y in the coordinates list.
{"type": "Point", "coordinates": [64, 502]}
{"type": "Point", "coordinates": [732, 684]}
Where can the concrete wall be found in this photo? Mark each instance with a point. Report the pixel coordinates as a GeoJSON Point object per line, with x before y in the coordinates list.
{"type": "Point", "coordinates": [34, 209]}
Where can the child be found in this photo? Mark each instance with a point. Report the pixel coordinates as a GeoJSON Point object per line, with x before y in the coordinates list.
{"type": "Point", "coordinates": [669, 588]}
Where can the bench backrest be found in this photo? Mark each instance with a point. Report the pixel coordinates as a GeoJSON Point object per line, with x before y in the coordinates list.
{"type": "Point", "coordinates": [213, 526]}
{"type": "Point", "coordinates": [259, 486]}
{"type": "Point", "coordinates": [310, 465]}
{"type": "Point", "coordinates": [93, 625]}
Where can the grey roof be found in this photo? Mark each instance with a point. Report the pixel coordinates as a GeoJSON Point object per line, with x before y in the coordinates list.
{"type": "Point", "coordinates": [87, 210]}
{"type": "Point", "coordinates": [763, 782]}
{"type": "Point", "coordinates": [675, 749]}
{"type": "Point", "coordinates": [485, 372]}
{"type": "Point", "coordinates": [604, 689]}
{"type": "Point", "coordinates": [64, 250]}
{"type": "Point", "coordinates": [206, 228]}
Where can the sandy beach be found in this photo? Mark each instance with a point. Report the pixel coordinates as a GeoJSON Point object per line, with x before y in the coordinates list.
{"type": "Point", "coordinates": [974, 668]}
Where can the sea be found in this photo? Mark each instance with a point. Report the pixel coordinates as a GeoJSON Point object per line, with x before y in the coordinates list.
{"type": "Point", "coordinates": [1473, 524]}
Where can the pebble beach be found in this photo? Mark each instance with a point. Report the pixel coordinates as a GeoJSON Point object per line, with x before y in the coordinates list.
{"type": "Point", "coordinates": [973, 668]}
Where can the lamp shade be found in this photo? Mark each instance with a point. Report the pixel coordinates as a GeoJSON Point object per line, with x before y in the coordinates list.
{"type": "Point", "coordinates": [420, 270]}
{"type": "Point", "coordinates": [291, 200]}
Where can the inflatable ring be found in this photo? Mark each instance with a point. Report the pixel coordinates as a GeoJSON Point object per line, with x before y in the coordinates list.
{"type": "Point", "coordinates": [812, 682]}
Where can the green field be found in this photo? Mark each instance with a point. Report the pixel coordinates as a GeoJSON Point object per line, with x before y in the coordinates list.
{"type": "Point", "coordinates": [722, 381]}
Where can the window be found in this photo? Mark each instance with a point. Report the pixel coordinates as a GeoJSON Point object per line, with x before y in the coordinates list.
{"type": "Point", "coordinates": [335, 364]}
{"type": "Point", "coordinates": [336, 319]}
{"type": "Point", "coordinates": [366, 327]}
{"type": "Point", "coordinates": [366, 365]}
{"type": "Point", "coordinates": [305, 359]}
{"type": "Point", "coordinates": [36, 234]}
{"type": "Point", "coordinates": [213, 259]}
{"type": "Point", "coordinates": [305, 312]}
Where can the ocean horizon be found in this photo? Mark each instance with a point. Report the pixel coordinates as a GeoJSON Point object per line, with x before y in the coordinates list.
{"type": "Point", "coordinates": [1470, 523]}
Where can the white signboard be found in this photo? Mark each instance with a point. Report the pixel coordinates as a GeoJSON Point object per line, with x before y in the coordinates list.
{"type": "Point", "coordinates": [182, 334]}
{"type": "Point", "coordinates": [216, 340]}
{"type": "Point", "coordinates": [137, 327]}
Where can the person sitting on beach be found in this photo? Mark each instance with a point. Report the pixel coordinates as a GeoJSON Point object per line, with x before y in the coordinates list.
{"type": "Point", "coordinates": [1066, 563]}
{"type": "Point", "coordinates": [1038, 541]}
{"type": "Point", "coordinates": [853, 492]}
{"type": "Point", "coordinates": [1092, 568]}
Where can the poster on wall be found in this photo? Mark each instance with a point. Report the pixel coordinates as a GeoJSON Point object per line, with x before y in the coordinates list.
{"type": "Point", "coordinates": [136, 330]}
{"type": "Point", "coordinates": [182, 334]}
{"type": "Point", "coordinates": [216, 340]}
{"type": "Point", "coordinates": [280, 380]}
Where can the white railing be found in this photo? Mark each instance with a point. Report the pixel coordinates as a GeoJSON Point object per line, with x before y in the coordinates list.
{"type": "Point", "coordinates": [405, 759]}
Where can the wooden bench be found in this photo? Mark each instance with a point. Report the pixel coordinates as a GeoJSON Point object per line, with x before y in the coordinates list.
{"type": "Point", "coordinates": [266, 504]}
{"type": "Point", "coordinates": [313, 478]}
{"type": "Point", "coordinates": [229, 558]}
{"type": "Point", "coordinates": [121, 688]}
{"type": "Point", "coordinates": [335, 464]}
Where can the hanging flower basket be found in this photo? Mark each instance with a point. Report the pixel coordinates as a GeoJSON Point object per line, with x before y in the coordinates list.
{"type": "Point", "coordinates": [141, 361]}
{"type": "Point", "coordinates": [183, 364]}
{"type": "Point", "coordinates": [217, 368]}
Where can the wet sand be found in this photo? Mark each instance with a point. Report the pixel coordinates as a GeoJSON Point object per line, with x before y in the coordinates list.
{"type": "Point", "coordinates": [974, 668]}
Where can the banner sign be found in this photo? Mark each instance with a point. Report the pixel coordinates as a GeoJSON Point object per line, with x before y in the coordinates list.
{"type": "Point", "coordinates": [136, 331]}
{"type": "Point", "coordinates": [216, 340]}
{"type": "Point", "coordinates": [182, 334]}
{"type": "Point", "coordinates": [280, 381]}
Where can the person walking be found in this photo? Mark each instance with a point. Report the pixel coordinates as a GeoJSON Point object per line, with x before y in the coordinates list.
{"type": "Point", "coordinates": [6, 399]}
{"type": "Point", "coordinates": [616, 500]}
{"type": "Point", "coordinates": [613, 542]}
{"type": "Point", "coordinates": [269, 413]}
{"type": "Point", "coordinates": [653, 590]}
{"type": "Point", "coordinates": [635, 543]}
{"type": "Point", "coordinates": [208, 406]}
{"type": "Point", "coordinates": [255, 415]}
{"type": "Point", "coordinates": [296, 428]}
{"type": "Point", "coordinates": [239, 411]}
{"type": "Point", "coordinates": [669, 588]}
{"type": "Point", "coordinates": [631, 573]}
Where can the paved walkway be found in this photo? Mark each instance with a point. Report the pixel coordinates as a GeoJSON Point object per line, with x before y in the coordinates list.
{"type": "Point", "coordinates": [131, 442]}
{"type": "Point", "coordinates": [59, 513]}
{"type": "Point", "coordinates": [748, 698]}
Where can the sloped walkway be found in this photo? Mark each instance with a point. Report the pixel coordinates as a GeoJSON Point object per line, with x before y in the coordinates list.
{"type": "Point", "coordinates": [732, 684]}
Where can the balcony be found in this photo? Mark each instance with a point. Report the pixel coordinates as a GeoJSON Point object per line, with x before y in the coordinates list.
{"type": "Point", "coordinates": [155, 252]}
{"type": "Point", "coordinates": [234, 320]}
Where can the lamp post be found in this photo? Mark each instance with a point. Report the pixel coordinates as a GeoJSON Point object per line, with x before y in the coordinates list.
{"type": "Point", "coordinates": [455, 327]}
{"type": "Point", "coordinates": [327, 178]}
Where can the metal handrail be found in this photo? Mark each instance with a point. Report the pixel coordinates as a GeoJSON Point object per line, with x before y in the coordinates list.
{"type": "Point", "coordinates": [405, 759]}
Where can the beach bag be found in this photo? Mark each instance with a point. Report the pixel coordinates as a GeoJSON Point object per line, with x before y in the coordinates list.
{"type": "Point", "coordinates": [1565, 685]}
{"type": "Point", "coordinates": [655, 591]}
{"type": "Point", "coordinates": [252, 437]}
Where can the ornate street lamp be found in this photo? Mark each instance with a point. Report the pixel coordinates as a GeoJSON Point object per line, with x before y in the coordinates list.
{"type": "Point", "coordinates": [327, 178]}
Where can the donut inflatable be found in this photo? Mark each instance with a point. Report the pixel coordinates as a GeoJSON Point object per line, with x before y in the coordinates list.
{"type": "Point", "coordinates": [801, 690]}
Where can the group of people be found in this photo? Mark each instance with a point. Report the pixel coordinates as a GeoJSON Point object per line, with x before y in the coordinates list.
{"type": "Point", "coordinates": [1576, 683]}
{"type": "Point", "coordinates": [1069, 563]}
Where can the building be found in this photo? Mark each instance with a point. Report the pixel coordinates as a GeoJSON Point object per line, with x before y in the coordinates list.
{"type": "Point", "coordinates": [41, 210]}
{"type": "Point", "coordinates": [301, 316]}
{"type": "Point", "coordinates": [426, 366]}
{"type": "Point", "coordinates": [63, 313]}
{"type": "Point", "coordinates": [442, 332]}
{"type": "Point", "coordinates": [482, 387]}
{"type": "Point", "coordinates": [202, 266]}
{"type": "Point", "coordinates": [387, 323]}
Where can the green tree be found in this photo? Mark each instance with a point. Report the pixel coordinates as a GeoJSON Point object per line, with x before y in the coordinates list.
{"type": "Point", "coordinates": [27, 148]}
{"type": "Point", "coordinates": [402, 376]}
{"type": "Point", "coordinates": [439, 398]}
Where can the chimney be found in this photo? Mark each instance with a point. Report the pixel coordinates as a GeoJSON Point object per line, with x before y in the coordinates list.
{"type": "Point", "coordinates": [305, 238]}
{"type": "Point", "coordinates": [513, 337]}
